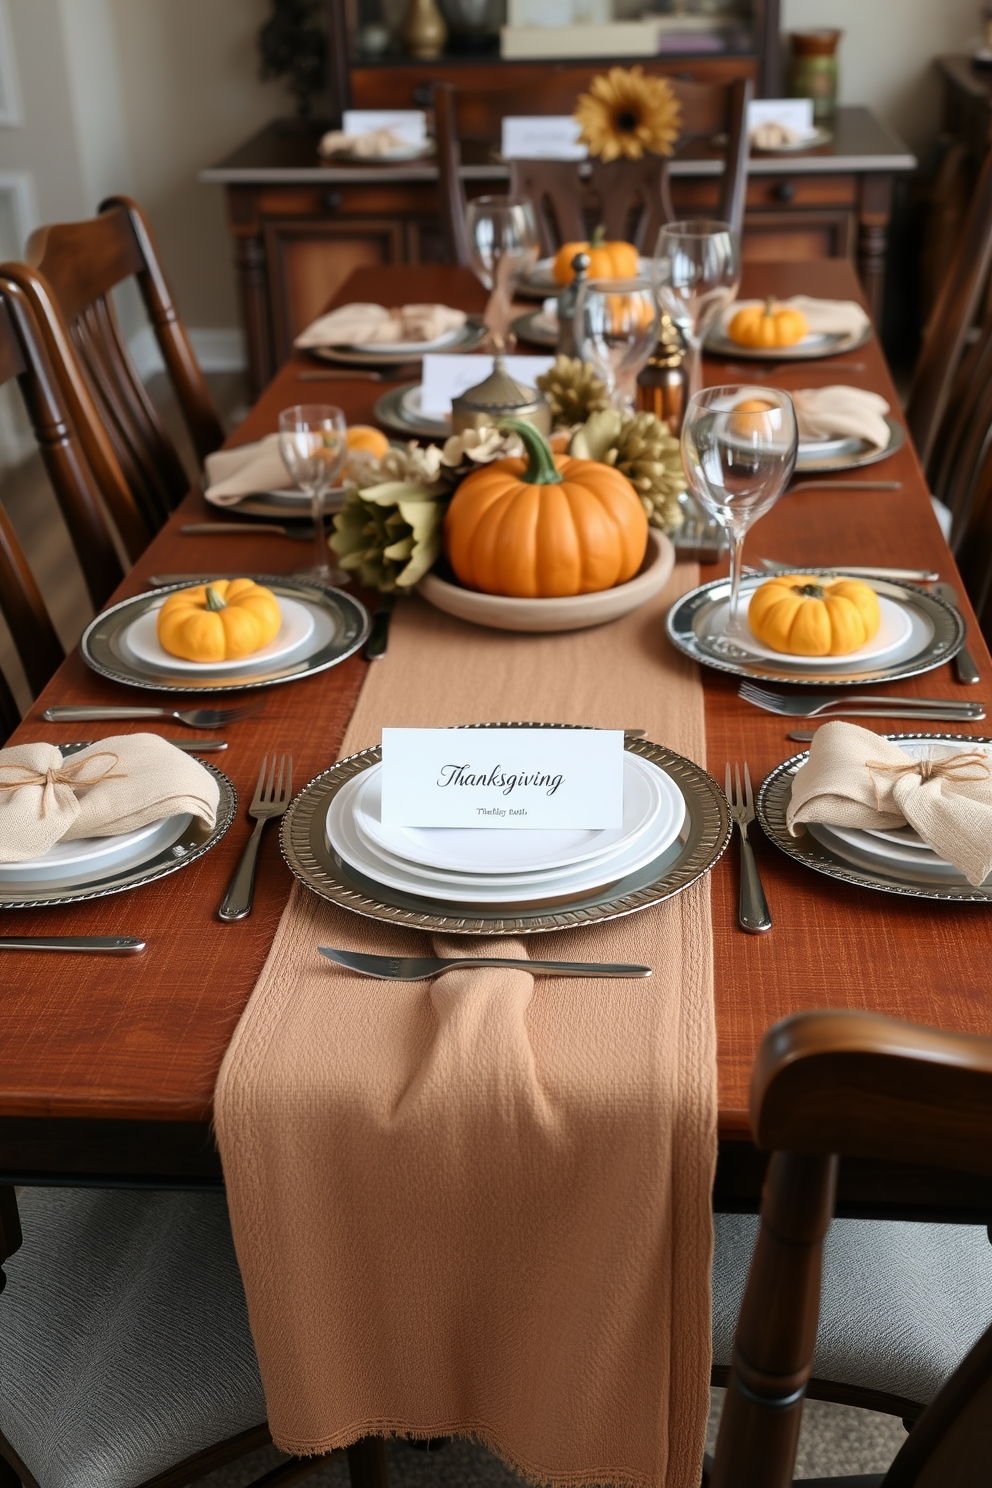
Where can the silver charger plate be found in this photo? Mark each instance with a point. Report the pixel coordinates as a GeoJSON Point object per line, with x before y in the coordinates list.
{"type": "Point", "coordinates": [526, 328]}
{"type": "Point", "coordinates": [937, 636]}
{"type": "Point", "coordinates": [811, 462]}
{"type": "Point", "coordinates": [281, 506]}
{"type": "Point", "coordinates": [773, 800]}
{"type": "Point", "coordinates": [357, 356]}
{"type": "Point", "coordinates": [701, 842]}
{"type": "Point", "coordinates": [719, 344]}
{"type": "Point", "coordinates": [343, 625]}
{"type": "Point", "coordinates": [191, 844]}
{"type": "Point", "coordinates": [389, 412]}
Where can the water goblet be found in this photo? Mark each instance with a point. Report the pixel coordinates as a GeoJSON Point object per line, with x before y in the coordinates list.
{"type": "Point", "coordinates": [739, 451]}
{"type": "Point", "coordinates": [504, 243]}
{"type": "Point", "coordinates": [616, 330]}
{"type": "Point", "coordinates": [697, 273]}
{"type": "Point", "coordinates": [313, 446]}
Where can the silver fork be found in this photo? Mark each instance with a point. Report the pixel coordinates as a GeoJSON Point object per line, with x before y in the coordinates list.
{"type": "Point", "coordinates": [857, 705]}
{"type": "Point", "coordinates": [419, 968]}
{"type": "Point", "coordinates": [193, 717]}
{"type": "Point", "coordinates": [752, 906]}
{"type": "Point", "coordinates": [271, 798]}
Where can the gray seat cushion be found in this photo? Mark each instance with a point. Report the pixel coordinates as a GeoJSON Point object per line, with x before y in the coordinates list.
{"type": "Point", "coordinates": [124, 1338]}
{"type": "Point", "coordinates": [901, 1304]}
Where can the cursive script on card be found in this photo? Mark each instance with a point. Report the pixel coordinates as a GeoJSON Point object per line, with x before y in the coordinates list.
{"type": "Point", "coordinates": [497, 779]}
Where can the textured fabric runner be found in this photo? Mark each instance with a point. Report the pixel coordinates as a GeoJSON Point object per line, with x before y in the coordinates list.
{"type": "Point", "coordinates": [481, 1205]}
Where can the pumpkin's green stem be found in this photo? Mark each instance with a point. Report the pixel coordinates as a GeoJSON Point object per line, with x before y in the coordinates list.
{"type": "Point", "coordinates": [214, 601]}
{"type": "Point", "coordinates": [770, 304]}
{"type": "Point", "coordinates": [541, 469]}
{"type": "Point", "coordinates": [598, 237]}
{"type": "Point", "coordinates": [811, 591]}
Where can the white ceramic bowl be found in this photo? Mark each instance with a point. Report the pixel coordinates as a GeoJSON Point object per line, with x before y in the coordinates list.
{"type": "Point", "coordinates": [574, 613]}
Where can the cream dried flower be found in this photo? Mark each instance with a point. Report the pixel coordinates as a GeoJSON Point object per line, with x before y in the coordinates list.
{"type": "Point", "coordinates": [414, 465]}
{"type": "Point", "coordinates": [473, 447]}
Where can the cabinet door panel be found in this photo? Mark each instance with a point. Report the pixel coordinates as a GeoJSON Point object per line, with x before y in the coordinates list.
{"type": "Point", "coordinates": [772, 236]}
{"type": "Point", "coordinates": [309, 261]}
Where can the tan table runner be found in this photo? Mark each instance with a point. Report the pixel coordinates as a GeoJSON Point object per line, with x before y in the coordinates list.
{"type": "Point", "coordinates": [482, 1205]}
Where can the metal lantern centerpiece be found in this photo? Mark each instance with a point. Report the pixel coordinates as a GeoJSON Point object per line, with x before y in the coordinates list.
{"type": "Point", "coordinates": [499, 396]}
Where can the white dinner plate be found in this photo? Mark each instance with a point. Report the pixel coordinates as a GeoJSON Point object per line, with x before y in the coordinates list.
{"type": "Point", "coordinates": [920, 869]}
{"type": "Point", "coordinates": [541, 276]}
{"type": "Point", "coordinates": [88, 858]}
{"type": "Point", "coordinates": [410, 409]}
{"type": "Point", "coordinates": [893, 632]}
{"type": "Point", "coordinates": [875, 845]}
{"type": "Point", "coordinates": [499, 850]}
{"type": "Point", "coordinates": [660, 809]}
{"type": "Point", "coordinates": [297, 629]}
{"type": "Point", "coordinates": [577, 880]}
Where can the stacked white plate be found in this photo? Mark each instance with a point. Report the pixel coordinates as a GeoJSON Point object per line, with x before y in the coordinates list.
{"type": "Point", "coordinates": [500, 866]}
{"type": "Point", "coordinates": [89, 859]}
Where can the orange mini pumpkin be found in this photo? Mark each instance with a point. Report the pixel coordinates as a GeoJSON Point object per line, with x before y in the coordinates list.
{"type": "Point", "coordinates": [367, 439]}
{"type": "Point", "coordinates": [546, 526]}
{"type": "Point", "coordinates": [607, 260]}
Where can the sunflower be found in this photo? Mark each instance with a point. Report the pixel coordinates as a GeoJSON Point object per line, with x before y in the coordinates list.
{"type": "Point", "coordinates": [626, 113]}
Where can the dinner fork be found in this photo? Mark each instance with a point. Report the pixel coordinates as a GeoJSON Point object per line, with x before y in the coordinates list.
{"type": "Point", "coordinates": [752, 906]}
{"type": "Point", "coordinates": [271, 798]}
{"type": "Point", "coordinates": [419, 968]}
{"type": "Point", "coordinates": [838, 706]}
{"type": "Point", "coordinates": [193, 717]}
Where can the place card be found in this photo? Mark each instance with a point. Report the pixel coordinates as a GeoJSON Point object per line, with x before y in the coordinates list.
{"type": "Point", "coordinates": [543, 137]}
{"type": "Point", "coordinates": [409, 124]}
{"type": "Point", "coordinates": [447, 377]}
{"type": "Point", "coordinates": [791, 113]}
{"type": "Point", "coordinates": [551, 778]}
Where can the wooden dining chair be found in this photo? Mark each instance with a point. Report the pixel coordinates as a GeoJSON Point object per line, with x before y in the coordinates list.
{"type": "Point", "coordinates": [906, 1307]}
{"type": "Point", "coordinates": [38, 648]}
{"type": "Point", "coordinates": [630, 198]}
{"type": "Point", "coordinates": [69, 274]}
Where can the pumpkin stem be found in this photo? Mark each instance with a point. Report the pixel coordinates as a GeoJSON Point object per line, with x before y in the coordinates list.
{"type": "Point", "coordinates": [598, 237]}
{"type": "Point", "coordinates": [769, 306]}
{"type": "Point", "coordinates": [810, 591]}
{"type": "Point", "coordinates": [541, 468]}
{"type": "Point", "coordinates": [214, 601]}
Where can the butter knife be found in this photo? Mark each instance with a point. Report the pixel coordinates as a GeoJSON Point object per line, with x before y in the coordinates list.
{"type": "Point", "coordinates": [197, 746]}
{"type": "Point", "coordinates": [906, 575]}
{"type": "Point", "coordinates": [108, 945]}
{"type": "Point", "coordinates": [964, 663]}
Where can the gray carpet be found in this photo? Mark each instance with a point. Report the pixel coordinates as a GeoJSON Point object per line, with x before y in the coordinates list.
{"type": "Point", "coordinates": [835, 1440]}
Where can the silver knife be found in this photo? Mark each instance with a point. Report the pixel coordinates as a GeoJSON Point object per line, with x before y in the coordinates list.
{"type": "Point", "coordinates": [907, 575]}
{"type": "Point", "coordinates": [109, 945]}
{"type": "Point", "coordinates": [197, 746]}
{"type": "Point", "coordinates": [964, 663]}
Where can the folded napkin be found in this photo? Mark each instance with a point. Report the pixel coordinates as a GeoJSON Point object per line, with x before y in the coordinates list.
{"type": "Point", "coordinates": [368, 145]}
{"type": "Point", "coordinates": [854, 778]}
{"type": "Point", "coordinates": [368, 325]}
{"type": "Point", "coordinates": [838, 412]}
{"type": "Point", "coordinates": [824, 317]}
{"type": "Point", "coordinates": [115, 786]}
{"type": "Point", "coordinates": [771, 135]}
{"type": "Point", "coordinates": [233, 474]}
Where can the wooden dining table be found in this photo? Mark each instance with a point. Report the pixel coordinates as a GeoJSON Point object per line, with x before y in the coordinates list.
{"type": "Point", "coordinates": [108, 1065]}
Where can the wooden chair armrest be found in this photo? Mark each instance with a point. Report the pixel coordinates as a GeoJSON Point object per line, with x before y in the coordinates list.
{"type": "Point", "coordinates": [867, 1086]}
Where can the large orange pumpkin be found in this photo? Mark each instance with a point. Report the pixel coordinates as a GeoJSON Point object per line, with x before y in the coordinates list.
{"type": "Point", "coordinates": [546, 526]}
{"type": "Point", "coordinates": [607, 260]}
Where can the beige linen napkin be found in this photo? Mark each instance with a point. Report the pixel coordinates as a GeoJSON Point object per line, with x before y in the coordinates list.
{"type": "Point", "coordinates": [824, 317]}
{"type": "Point", "coordinates": [481, 1205]}
{"type": "Point", "coordinates": [233, 474]}
{"type": "Point", "coordinates": [838, 412]}
{"type": "Point", "coordinates": [368, 145]}
{"type": "Point", "coordinates": [855, 778]}
{"type": "Point", "coordinates": [366, 325]}
{"type": "Point", "coordinates": [118, 785]}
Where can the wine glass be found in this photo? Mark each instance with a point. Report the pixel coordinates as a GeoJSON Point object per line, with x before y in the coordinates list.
{"type": "Point", "coordinates": [697, 270]}
{"type": "Point", "coordinates": [739, 451]}
{"type": "Point", "coordinates": [313, 445]}
{"type": "Point", "coordinates": [504, 242]}
{"type": "Point", "coordinates": [616, 330]}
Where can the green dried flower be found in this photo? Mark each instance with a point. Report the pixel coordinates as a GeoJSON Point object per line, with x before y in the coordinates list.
{"type": "Point", "coordinates": [389, 535]}
{"type": "Point", "coordinates": [573, 391]}
{"type": "Point", "coordinates": [641, 448]}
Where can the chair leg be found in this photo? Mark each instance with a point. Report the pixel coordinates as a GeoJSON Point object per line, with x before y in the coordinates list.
{"type": "Point", "coordinates": [10, 1235]}
{"type": "Point", "coordinates": [367, 1464]}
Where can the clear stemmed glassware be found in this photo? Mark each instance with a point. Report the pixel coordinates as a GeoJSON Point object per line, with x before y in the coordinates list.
{"type": "Point", "coordinates": [504, 242]}
{"type": "Point", "coordinates": [616, 329]}
{"type": "Point", "coordinates": [313, 445]}
{"type": "Point", "coordinates": [739, 451]}
{"type": "Point", "coordinates": [697, 272]}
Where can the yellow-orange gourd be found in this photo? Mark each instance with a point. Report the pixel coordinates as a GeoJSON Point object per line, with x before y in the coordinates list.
{"type": "Point", "coordinates": [804, 615]}
{"type": "Point", "coordinates": [364, 437]}
{"type": "Point", "coordinates": [544, 527]}
{"type": "Point", "coordinates": [221, 621]}
{"type": "Point", "coordinates": [768, 325]}
{"type": "Point", "coordinates": [607, 260]}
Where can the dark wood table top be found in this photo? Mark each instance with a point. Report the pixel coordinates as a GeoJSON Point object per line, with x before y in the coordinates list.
{"type": "Point", "coordinates": [90, 1041]}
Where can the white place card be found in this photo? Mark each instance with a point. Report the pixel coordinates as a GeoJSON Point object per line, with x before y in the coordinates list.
{"type": "Point", "coordinates": [446, 377]}
{"type": "Point", "coordinates": [543, 137]}
{"type": "Point", "coordinates": [409, 124]}
{"type": "Point", "coordinates": [792, 113]}
{"type": "Point", "coordinates": [551, 778]}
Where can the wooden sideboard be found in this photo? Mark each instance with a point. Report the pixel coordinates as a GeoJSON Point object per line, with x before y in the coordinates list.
{"type": "Point", "coordinates": [301, 226]}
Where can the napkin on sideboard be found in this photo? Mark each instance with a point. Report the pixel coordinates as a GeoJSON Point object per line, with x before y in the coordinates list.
{"type": "Point", "coordinates": [824, 317]}
{"type": "Point", "coordinates": [855, 778]}
{"type": "Point", "coordinates": [368, 145]}
{"type": "Point", "coordinates": [839, 412]}
{"type": "Point", "coordinates": [368, 325]}
{"type": "Point", "coordinates": [118, 785]}
{"type": "Point", "coordinates": [233, 474]}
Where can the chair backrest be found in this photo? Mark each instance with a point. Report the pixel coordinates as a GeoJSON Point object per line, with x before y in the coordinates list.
{"type": "Point", "coordinates": [836, 1084]}
{"type": "Point", "coordinates": [70, 272]}
{"type": "Point", "coordinates": [628, 197]}
{"type": "Point", "coordinates": [934, 410]}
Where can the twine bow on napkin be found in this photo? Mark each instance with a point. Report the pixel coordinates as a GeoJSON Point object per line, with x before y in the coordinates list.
{"type": "Point", "coordinates": [855, 778]}
{"type": "Point", "coordinates": [109, 788]}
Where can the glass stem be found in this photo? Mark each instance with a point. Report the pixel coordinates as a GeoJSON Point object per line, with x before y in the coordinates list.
{"type": "Point", "coordinates": [694, 362]}
{"type": "Point", "coordinates": [320, 540]}
{"type": "Point", "coordinates": [736, 571]}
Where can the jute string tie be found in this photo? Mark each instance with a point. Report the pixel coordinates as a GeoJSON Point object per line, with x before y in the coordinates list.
{"type": "Point", "coordinates": [71, 773]}
{"type": "Point", "coordinates": [966, 765]}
